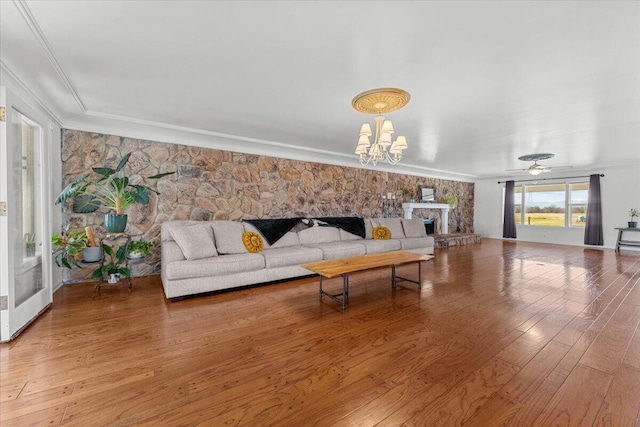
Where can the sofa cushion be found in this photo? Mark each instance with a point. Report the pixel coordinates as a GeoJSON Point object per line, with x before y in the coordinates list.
{"type": "Point", "coordinates": [215, 266]}
{"type": "Point", "coordinates": [319, 235]}
{"type": "Point", "coordinates": [414, 227]}
{"type": "Point", "coordinates": [195, 241]}
{"type": "Point", "coordinates": [228, 237]}
{"type": "Point", "coordinates": [289, 239]}
{"type": "Point", "coordinates": [368, 227]}
{"type": "Point", "coordinates": [393, 224]}
{"type": "Point", "coordinates": [345, 236]}
{"type": "Point", "coordinates": [416, 242]}
{"type": "Point", "coordinates": [282, 257]}
{"type": "Point", "coordinates": [378, 246]}
{"type": "Point", "coordinates": [334, 250]}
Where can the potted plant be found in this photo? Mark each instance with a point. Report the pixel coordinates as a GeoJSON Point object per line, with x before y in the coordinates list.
{"type": "Point", "coordinates": [30, 244]}
{"type": "Point", "coordinates": [633, 213]}
{"type": "Point", "coordinates": [70, 245]}
{"type": "Point", "coordinates": [451, 200]}
{"type": "Point", "coordinates": [139, 248]}
{"type": "Point", "coordinates": [112, 189]}
{"type": "Point", "coordinates": [93, 252]}
{"type": "Point", "coordinates": [114, 269]}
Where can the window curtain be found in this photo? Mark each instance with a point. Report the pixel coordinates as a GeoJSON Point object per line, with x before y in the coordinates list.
{"type": "Point", "coordinates": [509, 224]}
{"type": "Point", "coordinates": [593, 234]}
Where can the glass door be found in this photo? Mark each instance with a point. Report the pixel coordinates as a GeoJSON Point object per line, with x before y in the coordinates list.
{"type": "Point", "coordinates": [25, 269]}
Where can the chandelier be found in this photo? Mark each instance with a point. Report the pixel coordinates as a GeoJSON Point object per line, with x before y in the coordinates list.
{"type": "Point", "coordinates": [383, 149]}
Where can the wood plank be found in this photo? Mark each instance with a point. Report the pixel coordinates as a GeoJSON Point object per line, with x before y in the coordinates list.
{"type": "Point", "coordinates": [578, 400]}
{"type": "Point", "coordinates": [459, 403]}
{"type": "Point", "coordinates": [622, 403]}
{"type": "Point", "coordinates": [632, 355]}
{"type": "Point", "coordinates": [607, 350]}
{"type": "Point", "coordinates": [529, 379]}
{"type": "Point", "coordinates": [498, 411]}
{"type": "Point", "coordinates": [534, 404]}
{"type": "Point", "coordinates": [530, 343]}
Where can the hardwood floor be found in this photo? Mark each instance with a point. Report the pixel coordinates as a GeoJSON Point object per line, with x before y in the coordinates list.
{"type": "Point", "coordinates": [502, 333]}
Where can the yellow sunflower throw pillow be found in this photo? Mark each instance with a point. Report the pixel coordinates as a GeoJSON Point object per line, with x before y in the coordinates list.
{"type": "Point", "coordinates": [252, 241]}
{"type": "Point", "coordinates": [381, 233]}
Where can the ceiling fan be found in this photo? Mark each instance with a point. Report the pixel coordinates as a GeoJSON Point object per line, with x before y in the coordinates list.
{"type": "Point", "coordinates": [535, 168]}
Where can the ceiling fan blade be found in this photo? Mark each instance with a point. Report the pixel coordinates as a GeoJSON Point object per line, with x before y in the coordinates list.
{"type": "Point", "coordinates": [515, 170]}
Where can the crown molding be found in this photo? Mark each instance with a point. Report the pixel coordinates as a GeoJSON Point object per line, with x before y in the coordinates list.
{"type": "Point", "coordinates": [32, 98]}
{"type": "Point", "coordinates": [111, 124]}
{"type": "Point", "coordinates": [30, 20]}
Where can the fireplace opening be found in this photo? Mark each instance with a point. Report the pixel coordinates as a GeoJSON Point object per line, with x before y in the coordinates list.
{"type": "Point", "coordinates": [430, 225]}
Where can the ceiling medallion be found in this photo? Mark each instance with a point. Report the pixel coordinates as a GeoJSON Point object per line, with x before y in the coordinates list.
{"type": "Point", "coordinates": [383, 100]}
{"type": "Point", "coordinates": [535, 157]}
{"type": "Point", "coordinates": [378, 101]}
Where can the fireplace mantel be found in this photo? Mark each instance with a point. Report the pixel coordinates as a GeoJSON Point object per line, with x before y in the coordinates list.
{"type": "Point", "coordinates": [444, 207]}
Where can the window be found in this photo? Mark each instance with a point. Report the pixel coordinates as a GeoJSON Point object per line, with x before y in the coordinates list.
{"type": "Point", "coordinates": [548, 204]}
{"type": "Point", "coordinates": [578, 203]}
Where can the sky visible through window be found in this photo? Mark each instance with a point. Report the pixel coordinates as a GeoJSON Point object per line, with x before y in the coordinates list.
{"type": "Point", "coordinates": [555, 198]}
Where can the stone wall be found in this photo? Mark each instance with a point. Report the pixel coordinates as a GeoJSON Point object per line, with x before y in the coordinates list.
{"type": "Point", "coordinates": [213, 184]}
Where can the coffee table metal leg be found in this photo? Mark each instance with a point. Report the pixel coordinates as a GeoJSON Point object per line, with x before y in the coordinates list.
{"type": "Point", "coordinates": [397, 278]}
{"type": "Point", "coordinates": [345, 291]}
{"type": "Point", "coordinates": [342, 298]}
{"type": "Point", "coordinates": [394, 284]}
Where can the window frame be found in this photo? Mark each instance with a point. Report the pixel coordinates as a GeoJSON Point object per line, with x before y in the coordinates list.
{"type": "Point", "coordinates": [568, 206]}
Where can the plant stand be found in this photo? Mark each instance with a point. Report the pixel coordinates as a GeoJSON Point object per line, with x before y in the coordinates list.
{"type": "Point", "coordinates": [625, 242]}
{"type": "Point", "coordinates": [104, 280]}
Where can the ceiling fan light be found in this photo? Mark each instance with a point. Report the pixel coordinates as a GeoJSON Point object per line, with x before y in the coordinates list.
{"type": "Point", "coordinates": [535, 171]}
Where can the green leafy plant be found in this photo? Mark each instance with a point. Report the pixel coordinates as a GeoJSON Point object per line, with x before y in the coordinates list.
{"type": "Point", "coordinates": [115, 264]}
{"type": "Point", "coordinates": [141, 247]}
{"type": "Point", "coordinates": [451, 200]}
{"type": "Point", "coordinates": [112, 189]}
{"type": "Point", "coordinates": [633, 213]}
{"type": "Point", "coordinates": [70, 246]}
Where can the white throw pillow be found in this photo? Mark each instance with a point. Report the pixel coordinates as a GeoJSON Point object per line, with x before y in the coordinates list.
{"type": "Point", "coordinates": [228, 236]}
{"type": "Point", "coordinates": [414, 227]}
{"type": "Point", "coordinates": [195, 241]}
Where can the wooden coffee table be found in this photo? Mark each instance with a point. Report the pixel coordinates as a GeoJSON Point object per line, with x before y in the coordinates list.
{"type": "Point", "coordinates": [344, 266]}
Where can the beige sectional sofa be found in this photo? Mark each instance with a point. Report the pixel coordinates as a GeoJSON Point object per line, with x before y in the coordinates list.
{"type": "Point", "coordinates": [205, 256]}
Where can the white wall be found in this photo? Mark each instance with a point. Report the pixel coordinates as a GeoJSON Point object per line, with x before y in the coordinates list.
{"type": "Point", "coordinates": [620, 189]}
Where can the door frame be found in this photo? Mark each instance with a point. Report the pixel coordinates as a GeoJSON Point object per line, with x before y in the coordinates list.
{"type": "Point", "coordinates": [15, 319]}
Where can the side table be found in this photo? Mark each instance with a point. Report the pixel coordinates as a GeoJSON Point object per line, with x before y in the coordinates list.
{"type": "Point", "coordinates": [621, 242]}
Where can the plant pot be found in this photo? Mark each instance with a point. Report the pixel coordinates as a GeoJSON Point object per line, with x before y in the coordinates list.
{"type": "Point", "coordinates": [30, 249]}
{"type": "Point", "coordinates": [92, 254]}
{"type": "Point", "coordinates": [114, 278]}
{"type": "Point", "coordinates": [134, 255]}
{"type": "Point", "coordinates": [632, 224]}
{"type": "Point", "coordinates": [115, 223]}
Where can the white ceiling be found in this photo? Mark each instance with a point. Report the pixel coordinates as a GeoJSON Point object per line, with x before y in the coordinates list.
{"type": "Point", "coordinates": [490, 81]}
